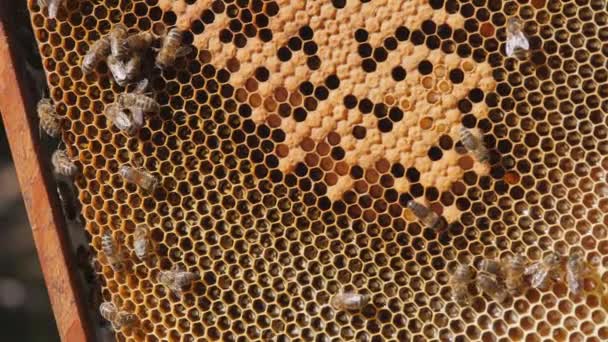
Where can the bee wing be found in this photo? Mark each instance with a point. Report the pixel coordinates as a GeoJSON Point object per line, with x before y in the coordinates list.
{"type": "Point", "coordinates": [517, 41]}
{"type": "Point", "coordinates": [573, 282]}
{"type": "Point", "coordinates": [539, 277]}
{"type": "Point", "coordinates": [532, 268]}
{"type": "Point", "coordinates": [183, 51]}
{"type": "Point", "coordinates": [54, 8]}
{"type": "Point", "coordinates": [141, 86]}
{"type": "Point", "coordinates": [118, 70]}
{"type": "Point", "coordinates": [138, 116]}
{"type": "Point", "coordinates": [122, 120]}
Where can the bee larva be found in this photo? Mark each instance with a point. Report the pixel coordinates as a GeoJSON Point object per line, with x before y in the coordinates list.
{"type": "Point", "coordinates": [50, 122]}
{"type": "Point", "coordinates": [98, 52]}
{"type": "Point", "coordinates": [141, 241]}
{"type": "Point", "coordinates": [63, 164]}
{"type": "Point", "coordinates": [118, 318]}
{"type": "Point", "coordinates": [171, 49]}
{"type": "Point", "coordinates": [516, 39]}
{"type": "Point", "coordinates": [140, 177]}
{"type": "Point", "coordinates": [348, 301]}
{"type": "Point", "coordinates": [488, 284]}
{"type": "Point", "coordinates": [52, 5]}
{"type": "Point", "coordinates": [514, 272]}
{"type": "Point", "coordinates": [139, 42]}
{"type": "Point", "coordinates": [112, 251]}
{"type": "Point", "coordinates": [129, 120]}
{"type": "Point", "coordinates": [176, 279]}
{"type": "Point", "coordinates": [576, 270]}
{"type": "Point", "coordinates": [118, 34]}
{"type": "Point", "coordinates": [544, 271]}
{"type": "Point", "coordinates": [459, 282]}
{"type": "Point", "coordinates": [428, 217]}
{"type": "Point", "coordinates": [473, 144]}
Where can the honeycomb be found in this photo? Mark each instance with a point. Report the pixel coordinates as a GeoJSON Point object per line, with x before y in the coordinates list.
{"type": "Point", "coordinates": [290, 141]}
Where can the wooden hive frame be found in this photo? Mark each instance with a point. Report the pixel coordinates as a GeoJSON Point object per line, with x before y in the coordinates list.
{"type": "Point", "coordinates": [45, 218]}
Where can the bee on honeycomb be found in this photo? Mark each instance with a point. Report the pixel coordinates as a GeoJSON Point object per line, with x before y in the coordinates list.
{"type": "Point", "coordinates": [459, 282]}
{"type": "Point", "coordinates": [544, 271]}
{"type": "Point", "coordinates": [516, 39]}
{"type": "Point", "coordinates": [349, 301]}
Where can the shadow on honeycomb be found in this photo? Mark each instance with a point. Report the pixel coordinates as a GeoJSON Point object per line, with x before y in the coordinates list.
{"type": "Point", "coordinates": [290, 142]}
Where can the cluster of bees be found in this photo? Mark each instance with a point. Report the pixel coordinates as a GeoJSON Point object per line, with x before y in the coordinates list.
{"type": "Point", "coordinates": [501, 278]}
{"type": "Point", "coordinates": [123, 54]}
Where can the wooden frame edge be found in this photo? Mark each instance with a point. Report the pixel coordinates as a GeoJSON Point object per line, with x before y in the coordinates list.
{"type": "Point", "coordinates": [45, 219]}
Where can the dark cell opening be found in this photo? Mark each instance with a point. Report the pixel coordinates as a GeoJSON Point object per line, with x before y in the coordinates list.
{"type": "Point", "coordinates": [402, 33]}
{"type": "Point", "coordinates": [425, 67]}
{"type": "Point", "coordinates": [359, 132]}
{"type": "Point", "coordinates": [350, 101]}
{"type": "Point", "coordinates": [435, 153]}
{"type": "Point", "coordinates": [368, 65]}
{"type": "Point", "coordinates": [398, 73]}
{"type": "Point", "coordinates": [412, 174]}
{"type": "Point", "coordinates": [306, 32]}
{"type": "Point", "coordinates": [456, 76]}
{"type": "Point", "coordinates": [361, 35]}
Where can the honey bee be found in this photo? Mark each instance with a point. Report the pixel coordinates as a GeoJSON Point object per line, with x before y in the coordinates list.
{"type": "Point", "coordinates": [171, 49]}
{"type": "Point", "coordinates": [514, 268]}
{"type": "Point", "coordinates": [459, 282]}
{"type": "Point", "coordinates": [50, 122]}
{"type": "Point", "coordinates": [544, 271]}
{"type": "Point", "coordinates": [473, 144]}
{"type": "Point", "coordinates": [98, 52]}
{"type": "Point", "coordinates": [69, 203]}
{"type": "Point", "coordinates": [138, 100]}
{"type": "Point", "coordinates": [85, 262]}
{"type": "Point", "coordinates": [176, 279]}
{"type": "Point", "coordinates": [140, 177]}
{"type": "Point", "coordinates": [139, 42]}
{"type": "Point", "coordinates": [576, 270]}
{"type": "Point", "coordinates": [63, 164]}
{"type": "Point", "coordinates": [112, 252]}
{"type": "Point", "coordinates": [52, 5]}
{"type": "Point", "coordinates": [488, 284]}
{"type": "Point", "coordinates": [516, 39]}
{"type": "Point", "coordinates": [141, 241]}
{"type": "Point", "coordinates": [129, 120]}
{"type": "Point", "coordinates": [492, 267]}
{"type": "Point", "coordinates": [117, 39]}
{"type": "Point", "coordinates": [428, 217]}
{"type": "Point", "coordinates": [118, 318]}
{"type": "Point", "coordinates": [348, 301]}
